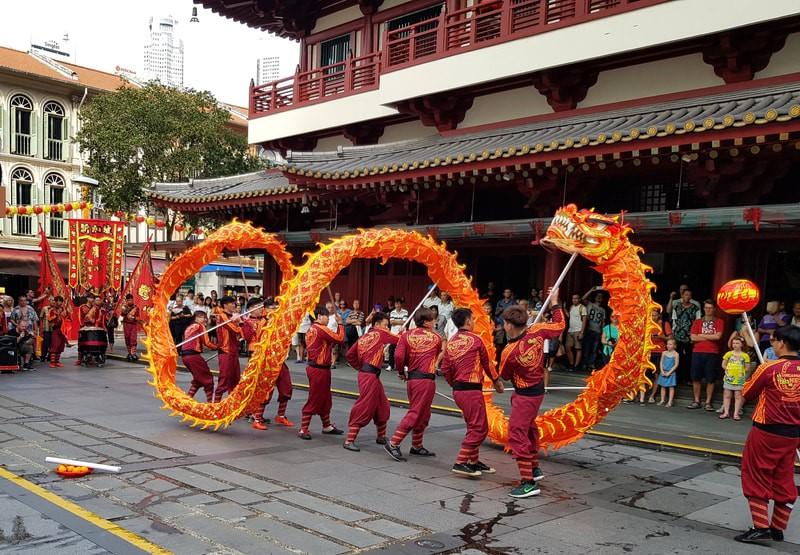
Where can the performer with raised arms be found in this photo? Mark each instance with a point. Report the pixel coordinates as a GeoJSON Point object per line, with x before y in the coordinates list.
{"type": "Point", "coordinates": [320, 340]}
{"type": "Point", "coordinates": [56, 316]}
{"type": "Point", "coordinates": [192, 355]}
{"type": "Point", "coordinates": [366, 356]}
{"type": "Point", "coordinates": [131, 318]}
{"type": "Point", "coordinates": [417, 350]}
{"type": "Point", "coordinates": [464, 365]}
{"type": "Point", "coordinates": [522, 362]}
{"type": "Point", "coordinates": [228, 336]}
{"type": "Point", "coordinates": [769, 451]}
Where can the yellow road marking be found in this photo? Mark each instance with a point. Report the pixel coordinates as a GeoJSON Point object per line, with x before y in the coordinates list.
{"type": "Point", "coordinates": [717, 440]}
{"type": "Point", "coordinates": [89, 516]}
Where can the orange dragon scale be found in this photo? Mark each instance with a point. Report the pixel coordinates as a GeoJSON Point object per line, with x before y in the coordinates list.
{"type": "Point", "coordinates": [600, 239]}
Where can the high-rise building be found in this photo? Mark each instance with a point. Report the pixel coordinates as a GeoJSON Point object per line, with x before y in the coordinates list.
{"type": "Point", "coordinates": [267, 69]}
{"type": "Point", "coordinates": [163, 53]}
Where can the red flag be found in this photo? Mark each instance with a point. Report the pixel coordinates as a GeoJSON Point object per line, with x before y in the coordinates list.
{"type": "Point", "coordinates": [50, 276]}
{"type": "Point", "coordinates": [140, 284]}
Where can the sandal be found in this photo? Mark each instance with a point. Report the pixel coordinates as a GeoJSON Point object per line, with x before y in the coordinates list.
{"type": "Point", "coordinates": [694, 405]}
{"type": "Point", "coordinates": [709, 408]}
{"type": "Point", "coordinates": [723, 416]}
{"type": "Point", "coordinates": [669, 405]}
{"type": "Point", "coordinates": [651, 400]}
{"type": "Point", "coordinates": [737, 417]}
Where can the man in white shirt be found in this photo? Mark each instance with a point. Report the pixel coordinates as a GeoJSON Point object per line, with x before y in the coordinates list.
{"type": "Point", "coordinates": [397, 318]}
{"type": "Point", "coordinates": [446, 305]}
{"type": "Point", "coordinates": [576, 327]}
{"type": "Point", "coordinates": [305, 325]}
{"type": "Point", "coordinates": [432, 300]}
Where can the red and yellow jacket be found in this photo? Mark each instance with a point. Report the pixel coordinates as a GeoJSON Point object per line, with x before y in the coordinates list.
{"type": "Point", "coordinates": [466, 360]}
{"type": "Point", "coordinates": [197, 344]}
{"type": "Point", "coordinates": [418, 349]}
{"type": "Point", "coordinates": [776, 385]}
{"type": "Point", "coordinates": [522, 360]}
{"type": "Point", "coordinates": [319, 344]}
{"type": "Point", "coordinates": [228, 334]}
{"type": "Point", "coordinates": [368, 350]}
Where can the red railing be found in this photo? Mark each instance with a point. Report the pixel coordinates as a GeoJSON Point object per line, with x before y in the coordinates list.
{"type": "Point", "coordinates": [350, 76]}
{"type": "Point", "coordinates": [486, 23]}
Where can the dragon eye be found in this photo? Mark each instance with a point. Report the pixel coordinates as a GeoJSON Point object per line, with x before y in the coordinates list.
{"type": "Point", "coordinates": [599, 221]}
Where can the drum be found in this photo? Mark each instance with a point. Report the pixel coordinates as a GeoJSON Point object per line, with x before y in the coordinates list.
{"type": "Point", "coordinates": [8, 353]}
{"type": "Point", "coordinates": [92, 339]}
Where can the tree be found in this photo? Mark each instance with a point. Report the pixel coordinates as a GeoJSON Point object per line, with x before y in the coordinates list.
{"type": "Point", "coordinates": [136, 136]}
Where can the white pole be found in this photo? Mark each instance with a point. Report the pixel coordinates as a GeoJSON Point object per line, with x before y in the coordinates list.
{"type": "Point", "coordinates": [753, 337]}
{"type": "Point", "coordinates": [96, 466]}
{"type": "Point", "coordinates": [556, 286]}
{"type": "Point", "coordinates": [182, 343]}
{"type": "Point", "coordinates": [411, 315]}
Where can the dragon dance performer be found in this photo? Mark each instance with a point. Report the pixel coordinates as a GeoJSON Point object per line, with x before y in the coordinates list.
{"type": "Point", "coordinates": [522, 362]}
{"type": "Point", "coordinates": [320, 340]}
{"type": "Point", "coordinates": [131, 318]}
{"type": "Point", "coordinates": [366, 356]}
{"type": "Point", "coordinates": [769, 451]}
{"type": "Point", "coordinates": [283, 383]}
{"type": "Point", "coordinates": [56, 314]}
{"type": "Point", "coordinates": [418, 350]}
{"type": "Point", "coordinates": [191, 354]}
{"type": "Point", "coordinates": [464, 364]}
{"type": "Point", "coordinates": [228, 336]}
{"type": "Point", "coordinates": [92, 315]}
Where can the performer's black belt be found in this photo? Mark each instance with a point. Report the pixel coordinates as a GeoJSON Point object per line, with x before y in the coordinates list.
{"type": "Point", "coordinates": [370, 369]}
{"type": "Point", "coordinates": [320, 366]}
{"type": "Point", "coordinates": [785, 430]}
{"type": "Point", "coordinates": [531, 391]}
{"type": "Point", "coordinates": [187, 353]}
{"type": "Point", "coordinates": [467, 386]}
{"type": "Point", "coordinates": [420, 375]}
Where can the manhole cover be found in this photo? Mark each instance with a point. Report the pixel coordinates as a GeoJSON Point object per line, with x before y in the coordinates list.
{"type": "Point", "coordinates": [429, 544]}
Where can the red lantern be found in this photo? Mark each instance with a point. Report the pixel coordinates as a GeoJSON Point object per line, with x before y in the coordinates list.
{"type": "Point", "coordinates": [139, 218]}
{"type": "Point", "coordinates": [37, 209]}
{"type": "Point", "coordinates": [22, 210]}
{"type": "Point", "coordinates": [68, 207]}
{"type": "Point", "coordinates": [198, 231]}
{"type": "Point", "coordinates": [160, 224]}
{"type": "Point", "coordinates": [179, 227]}
{"type": "Point", "coordinates": [82, 204]}
{"type": "Point", "coordinates": [119, 214]}
{"type": "Point", "coordinates": [8, 210]}
{"type": "Point", "coordinates": [737, 296]}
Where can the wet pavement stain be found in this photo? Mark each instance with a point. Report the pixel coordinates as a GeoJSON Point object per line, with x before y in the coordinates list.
{"type": "Point", "coordinates": [19, 533]}
{"type": "Point", "coordinates": [478, 534]}
{"type": "Point", "coordinates": [466, 502]}
{"type": "Point", "coordinates": [657, 534]}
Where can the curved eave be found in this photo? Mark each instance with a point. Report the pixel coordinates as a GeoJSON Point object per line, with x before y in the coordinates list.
{"type": "Point", "coordinates": [217, 202]}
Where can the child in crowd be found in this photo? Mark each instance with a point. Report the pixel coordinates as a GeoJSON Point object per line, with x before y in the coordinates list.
{"type": "Point", "coordinates": [735, 364]}
{"type": "Point", "coordinates": [668, 365]}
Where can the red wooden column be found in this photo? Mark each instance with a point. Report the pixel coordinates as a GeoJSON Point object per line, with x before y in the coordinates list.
{"type": "Point", "coordinates": [554, 262]}
{"type": "Point", "coordinates": [725, 261]}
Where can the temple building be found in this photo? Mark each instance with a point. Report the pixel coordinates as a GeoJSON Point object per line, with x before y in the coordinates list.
{"type": "Point", "coordinates": [473, 121]}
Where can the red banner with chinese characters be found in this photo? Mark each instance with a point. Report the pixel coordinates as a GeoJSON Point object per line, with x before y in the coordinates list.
{"type": "Point", "coordinates": [95, 255]}
{"type": "Point", "coordinates": [141, 284]}
{"type": "Point", "coordinates": [52, 282]}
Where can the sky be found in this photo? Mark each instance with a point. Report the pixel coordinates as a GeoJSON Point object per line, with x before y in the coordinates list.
{"type": "Point", "coordinates": [219, 54]}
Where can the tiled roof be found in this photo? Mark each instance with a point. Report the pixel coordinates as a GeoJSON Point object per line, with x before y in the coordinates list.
{"type": "Point", "coordinates": [247, 185]}
{"type": "Point", "coordinates": [24, 62]}
{"type": "Point", "coordinates": [776, 103]}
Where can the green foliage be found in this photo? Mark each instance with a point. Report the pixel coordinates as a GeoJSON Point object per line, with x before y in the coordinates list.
{"type": "Point", "coordinates": [136, 136]}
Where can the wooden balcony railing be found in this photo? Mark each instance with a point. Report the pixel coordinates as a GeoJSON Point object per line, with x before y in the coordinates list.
{"type": "Point", "coordinates": [487, 23]}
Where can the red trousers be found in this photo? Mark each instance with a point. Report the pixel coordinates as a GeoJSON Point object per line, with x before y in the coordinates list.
{"type": "Point", "coordinates": [523, 435]}
{"type": "Point", "coordinates": [283, 384]}
{"type": "Point", "coordinates": [201, 375]}
{"type": "Point", "coordinates": [473, 410]}
{"type": "Point", "coordinates": [131, 331]}
{"type": "Point", "coordinates": [57, 342]}
{"type": "Point", "coordinates": [319, 392]}
{"type": "Point", "coordinates": [372, 403]}
{"type": "Point", "coordinates": [420, 397]}
{"type": "Point", "coordinates": [229, 374]}
{"type": "Point", "coordinates": [768, 467]}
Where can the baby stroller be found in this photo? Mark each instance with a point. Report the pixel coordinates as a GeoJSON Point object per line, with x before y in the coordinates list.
{"type": "Point", "coordinates": [92, 344]}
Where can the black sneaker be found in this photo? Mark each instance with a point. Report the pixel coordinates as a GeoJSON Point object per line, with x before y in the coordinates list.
{"type": "Point", "coordinates": [421, 452]}
{"type": "Point", "coordinates": [484, 469]}
{"type": "Point", "coordinates": [777, 535]}
{"type": "Point", "coordinates": [394, 452]}
{"type": "Point", "coordinates": [351, 447]}
{"type": "Point", "coordinates": [754, 535]}
{"type": "Point", "coordinates": [333, 431]}
{"type": "Point", "coordinates": [380, 440]}
{"type": "Point", "coordinates": [304, 435]}
{"type": "Point", "coordinates": [465, 470]}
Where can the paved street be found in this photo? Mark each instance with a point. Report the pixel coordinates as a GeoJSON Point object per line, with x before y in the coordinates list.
{"type": "Point", "coordinates": [244, 491]}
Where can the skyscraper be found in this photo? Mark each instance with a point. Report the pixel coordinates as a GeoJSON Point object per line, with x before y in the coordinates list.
{"type": "Point", "coordinates": [163, 53]}
{"type": "Point", "coordinates": [267, 69]}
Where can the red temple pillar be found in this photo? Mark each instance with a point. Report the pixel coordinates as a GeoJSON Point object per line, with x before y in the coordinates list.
{"type": "Point", "coordinates": [554, 262]}
{"type": "Point", "coordinates": [724, 262]}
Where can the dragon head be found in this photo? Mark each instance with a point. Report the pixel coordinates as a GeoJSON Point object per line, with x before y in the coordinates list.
{"type": "Point", "coordinates": [593, 235]}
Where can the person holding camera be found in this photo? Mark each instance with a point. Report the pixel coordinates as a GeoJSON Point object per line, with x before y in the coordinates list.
{"type": "Point", "coordinates": [609, 338]}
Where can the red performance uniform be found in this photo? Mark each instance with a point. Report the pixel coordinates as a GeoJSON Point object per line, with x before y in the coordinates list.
{"type": "Point", "coordinates": [366, 356]}
{"type": "Point", "coordinates": [464, 365]}
{"type": "Point", "coordinates": [94, 317]}
{"type": "Point", "coordinates": [283, 383]}
{"type": "Point", "coordinates": [130, 327]}
{"type": "Point", "coordinates": [768, 457]}
{"type": "Point", "coordinates": [319, 346]}
{"type": "Point", "coordinates": [228, 347]}
{"type": "Point", "coordinates": [194, 361]}
{"type": "Point", "coordinates": [417, 350]}
{"type": "Point", "coordinates": [522, 362]}
{"type": "Point", "coordinates": [55, 316]}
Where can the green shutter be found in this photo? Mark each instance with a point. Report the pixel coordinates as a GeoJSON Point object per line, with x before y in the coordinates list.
{"type": "Point", "coordinates": [34, 135]}
{"type": "Point", "coordinates": [12, 117]}
{"type": "Point", "coordinates": [45, 134]}
{"type": "Point", "coordinates": [65, 138]}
